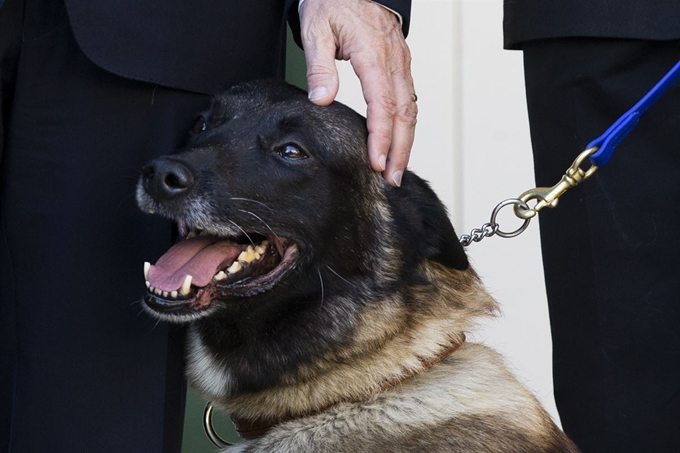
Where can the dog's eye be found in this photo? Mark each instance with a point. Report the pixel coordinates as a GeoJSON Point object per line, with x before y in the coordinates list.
{"type": "Point", "coordinates": [292, 152]}
{"type": "Point", "coordinates": [200, 126]}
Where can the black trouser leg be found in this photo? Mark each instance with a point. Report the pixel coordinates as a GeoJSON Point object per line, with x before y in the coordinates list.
{"type": "Point", "coordinates": [83, 369]}
{"type": "Point", "coordinates": [611, 249]}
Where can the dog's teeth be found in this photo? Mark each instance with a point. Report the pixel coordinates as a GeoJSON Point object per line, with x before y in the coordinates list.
{"type": "Point", "coordinates": [220, 276]}
{"type": "Point", "coordinates": [248, 255]}
{"type": "Point", "coordinates": [235, 267]}
{"type": "Point", "coordinates": [186, 286]}
{"type": "Point", "coordinates": [257, 255]}
{"type": "Point", "coordinates": [147, 266]}
{"type": "Point", "coordinates": [148, 285]}
{"type": "Point", "coordinates": [174, 294]}
{"type": "Point", "coordinates": [158, 292]}
{"type": "Point", "coordinates": [192, 234]}
{"type": "Point", "coordinates": [260, 249]}
{"type": "Point", "coordinates": [165, 294]}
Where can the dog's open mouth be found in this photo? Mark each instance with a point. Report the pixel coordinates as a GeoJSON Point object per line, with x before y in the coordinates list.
{"type": "Point", "coordinates": [204, 266]}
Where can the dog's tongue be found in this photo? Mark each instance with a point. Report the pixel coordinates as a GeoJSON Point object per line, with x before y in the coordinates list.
{"type": "Point", "coordinates": [199, 257]}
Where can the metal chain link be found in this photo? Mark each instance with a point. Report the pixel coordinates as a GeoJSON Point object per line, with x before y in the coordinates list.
{"type": "Point", "coordinates": [492, 227]}
{"type": "Point", "coordinates": [477, 234]}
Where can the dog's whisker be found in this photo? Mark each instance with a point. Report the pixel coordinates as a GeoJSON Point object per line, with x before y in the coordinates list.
{"type": "Point", "coordinates": [253, 201]}
{"type": "Point", "coordinates": [263, 222]}
{"type": "Point", "coordinates": [321, 281]}
{"type": "Point", "coordinates": [242, 230]}
{"type": "Point", "coordinates": [340, 276]}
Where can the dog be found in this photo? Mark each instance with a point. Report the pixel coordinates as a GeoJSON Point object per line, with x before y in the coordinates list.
{"type": "Point", "coordinates": [326, 310]}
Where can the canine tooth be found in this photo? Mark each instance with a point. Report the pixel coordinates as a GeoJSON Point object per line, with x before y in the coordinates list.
{"type": "Point", "coordinates": [234, 268]}
{"type": "Point", "coordinates": [148, 285]}
{"type": "Point", "coordinates": [186, 286]}
{"type": "Point", "coordinates": [192, 234]}
{"type": "Point", "coordinates": [174, 294]}
{"type": "Point", "coordinates": [220, 276]}
{"type": "Point", "coordinates": [147, 266]}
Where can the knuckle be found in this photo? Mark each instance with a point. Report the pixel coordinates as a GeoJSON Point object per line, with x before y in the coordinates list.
{"type": "Point", "coordinates": [319, 71]}
{"type": "Point", "coordinates": [407, 114]}
{"type": "Point", "coordinates": [386, 103]}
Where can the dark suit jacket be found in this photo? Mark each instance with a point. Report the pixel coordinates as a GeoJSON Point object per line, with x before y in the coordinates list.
{"type": "Point", "coordinates": [527, 20]}
{"type": "Point", "coordinates": [197, 45]}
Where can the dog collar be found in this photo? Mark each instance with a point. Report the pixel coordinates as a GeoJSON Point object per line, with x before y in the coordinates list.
{"type": "Point", "coordinates": [254, 429]}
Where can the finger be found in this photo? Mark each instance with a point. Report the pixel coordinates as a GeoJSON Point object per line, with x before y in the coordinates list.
{"type": "Point", "coordinates": [404, 124]}
{"type": "Point", "coordinates": [376, 85]}
{"type": "Point", "coordinates": [391, 113]}
{"type": "Point", "coordinates": [320, 51]}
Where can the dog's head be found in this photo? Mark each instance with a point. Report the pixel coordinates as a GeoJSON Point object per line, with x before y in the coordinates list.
{"type": "Point", "coordinates": [276, 205]}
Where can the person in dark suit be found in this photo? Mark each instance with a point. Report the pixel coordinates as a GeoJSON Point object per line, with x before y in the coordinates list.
{"type": "Point", "coordinates": [91, 90]}
{"type": "Point", "coordinates": [611, 252]}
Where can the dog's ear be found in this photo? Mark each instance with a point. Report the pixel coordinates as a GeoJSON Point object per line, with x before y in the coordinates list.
{"type": "Point", "coordinates": [422, 221]}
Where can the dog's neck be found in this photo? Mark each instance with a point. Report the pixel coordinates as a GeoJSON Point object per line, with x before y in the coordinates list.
{"type": "Point", "coordinates": [388, 342]}
{"type": "Point", "coordinates": [249, 428]}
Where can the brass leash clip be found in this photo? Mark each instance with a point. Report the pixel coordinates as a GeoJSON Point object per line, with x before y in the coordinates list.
{"type": "Point", "coordinates": [549, 196]}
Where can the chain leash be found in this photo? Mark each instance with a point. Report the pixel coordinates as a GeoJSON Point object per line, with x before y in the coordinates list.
{"type": "Point", "coordinates": [598, 153]}
{"type": "Point", "coordinates": [544, 197]}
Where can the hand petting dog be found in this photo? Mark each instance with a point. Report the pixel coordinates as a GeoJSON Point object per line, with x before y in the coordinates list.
{"type": "Point", "coordinates": [370, 37]}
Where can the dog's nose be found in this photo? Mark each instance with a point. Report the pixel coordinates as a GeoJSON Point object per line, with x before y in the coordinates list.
{"type": "Point", "coordinates": [165, 178]}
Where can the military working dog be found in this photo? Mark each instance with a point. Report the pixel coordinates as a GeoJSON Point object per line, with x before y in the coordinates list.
{"type": "Point", "coordinates": [327, 310]}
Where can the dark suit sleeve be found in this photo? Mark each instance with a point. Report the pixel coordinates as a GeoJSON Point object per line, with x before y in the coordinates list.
{"type": "Point", "coordinates": [203, 46]}
{"type": "Point", "coordinates": [530, 20]}
{"type": "Point", "coordinates": [403, 7]}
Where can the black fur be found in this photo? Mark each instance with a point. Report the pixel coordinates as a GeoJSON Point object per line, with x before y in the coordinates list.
{"type": "Point", "coordinates": [369, 284]}
{"type": "Point", "coordinates": [319, 202]}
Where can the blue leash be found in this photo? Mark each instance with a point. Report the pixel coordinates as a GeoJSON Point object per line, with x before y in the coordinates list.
{"type": "Point", "coordinates": [598, 152]}
{"type": "Point", "coordinates": [607, 142]}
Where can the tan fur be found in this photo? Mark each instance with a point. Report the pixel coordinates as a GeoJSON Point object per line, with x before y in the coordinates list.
{"type": "Point", "coordinates": [473, 382]}
{"type": "Point", "coordinates": [390, 342]}
{"type": "Point", "coordinates": [472, 386]}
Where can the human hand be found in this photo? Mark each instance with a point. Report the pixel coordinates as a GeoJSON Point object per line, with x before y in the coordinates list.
{"type": "Point", "coordinates": [370, 37]}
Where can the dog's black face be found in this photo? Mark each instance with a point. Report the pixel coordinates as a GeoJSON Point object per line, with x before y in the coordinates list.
{"type": "Point", "coordinates": [274, 198]}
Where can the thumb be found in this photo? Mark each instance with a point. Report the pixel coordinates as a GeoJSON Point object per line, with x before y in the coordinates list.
{"type": "Point", "coordinates": [322, 75]}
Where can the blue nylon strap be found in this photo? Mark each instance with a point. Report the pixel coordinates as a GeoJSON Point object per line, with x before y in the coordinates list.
{"type": "Point", "coordinates": [608, 141]}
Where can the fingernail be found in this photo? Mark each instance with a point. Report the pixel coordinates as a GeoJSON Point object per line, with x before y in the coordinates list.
{"type": "Point", "coordinates": [318, 93]}
{"type": "Point", "coordinates": [396, 176]}
{"type": "Point", "coordinates": [382, 161]}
